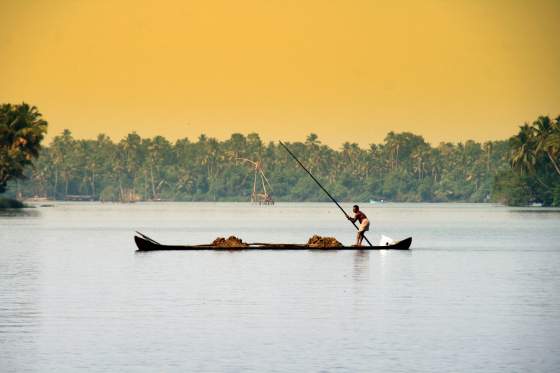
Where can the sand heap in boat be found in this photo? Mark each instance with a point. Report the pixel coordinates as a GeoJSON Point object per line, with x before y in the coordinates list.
{"type": "Point", "coordinates": [321, 242]}
{"type": "Point", "coordinates": [231, 241]}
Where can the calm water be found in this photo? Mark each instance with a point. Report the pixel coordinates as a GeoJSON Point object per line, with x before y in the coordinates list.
{"type": "Point", "coordinates": [479, 291]}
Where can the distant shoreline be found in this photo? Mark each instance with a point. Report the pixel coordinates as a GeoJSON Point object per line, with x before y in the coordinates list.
{"type": "Point", "coordinates": [52, 203]}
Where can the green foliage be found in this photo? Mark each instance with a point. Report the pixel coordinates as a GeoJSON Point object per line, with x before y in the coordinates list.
{"type": "Point", "coordinates": [403, 168]}
{"type": "Point", "coordinates": [7, 203]}
{"type": "Point", "coordinates": [556, 196]}
{"type": "Point", "coordinates": [21, 133]}
{"type": "Point", "coordinates": [535, 161]}
{"type": "Point", "coordinates": [109, 194]}
{"type": "Point", "coordinates": [511, 189]}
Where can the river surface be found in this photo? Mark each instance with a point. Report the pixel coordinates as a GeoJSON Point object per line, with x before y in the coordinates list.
{"type": "Point", "coordinates": [479, 291]}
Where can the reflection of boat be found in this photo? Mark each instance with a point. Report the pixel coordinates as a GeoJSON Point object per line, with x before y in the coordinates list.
{"type": "Point", "coordinates": [145, 243]}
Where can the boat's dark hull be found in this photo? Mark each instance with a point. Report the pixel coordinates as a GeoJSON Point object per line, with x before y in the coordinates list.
{"type": "Point", "coordinates": [146, 245]}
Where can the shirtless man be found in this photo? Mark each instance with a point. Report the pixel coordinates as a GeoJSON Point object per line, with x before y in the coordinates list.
{"type": "Point", "coordinates": [364, 223]}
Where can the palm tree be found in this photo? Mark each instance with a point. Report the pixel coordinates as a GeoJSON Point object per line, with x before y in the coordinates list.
{"type": "Point", "coordinates": [393, 144]}
{"type": "Point", "coordinates": [21, 131]}
{"type": "Point", "coordinates": [547, 138]}
{"type": "Point", "coordinates": [419, 156]}
{"type": "Point", "coordinates": [312, 147]}
{"type": "Point", "coordinates": [312, 139]}
{"type": "Point", "coordinates": [523, 150]}
{"type": "Point", "coordinates": [552, 146]}
{"type": "Point", "coordinates": [254, 144]}
{"type": "Point", "coordinates": [488, 150]}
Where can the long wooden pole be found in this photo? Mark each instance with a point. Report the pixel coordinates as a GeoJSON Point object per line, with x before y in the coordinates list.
{"type": "Point", "coordinates": [324, 190]}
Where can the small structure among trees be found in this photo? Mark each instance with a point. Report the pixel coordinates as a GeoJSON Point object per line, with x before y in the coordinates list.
{"type": "Point", "coordinates": [262, 197]}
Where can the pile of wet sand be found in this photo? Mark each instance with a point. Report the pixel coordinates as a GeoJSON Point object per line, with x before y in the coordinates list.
{"type": "Point", "coordinates": [231, 241]}
{"type": "Point", "coordinates": [322, 242]}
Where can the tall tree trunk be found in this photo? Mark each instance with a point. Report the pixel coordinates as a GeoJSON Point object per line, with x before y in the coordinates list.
{"type": "Point", "coordinates": [18, 191]}
{"type": "Point", "coordinates": [542, 182]}
{"type": "Point", "coordinates": [553, 162]}
{"type": "Point", "coordinates": [93, 183]}
{"type": "Point", "coordinates": [55, 183]}
{"type": "Point", "coordinates": [145, 185]}
{"type": "Point", "coordinates": [153, 186]}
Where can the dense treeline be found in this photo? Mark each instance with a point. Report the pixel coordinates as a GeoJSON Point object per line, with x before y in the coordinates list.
{"type": "Point", "coordinates": [404, 167]}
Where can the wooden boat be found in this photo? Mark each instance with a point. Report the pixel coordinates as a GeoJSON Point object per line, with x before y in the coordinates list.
{"type": "Point", "coordinates": [147, 244]}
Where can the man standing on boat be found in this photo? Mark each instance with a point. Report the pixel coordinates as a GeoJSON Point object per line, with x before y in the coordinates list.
{"type": "Point", "coordinates": [364, 223]}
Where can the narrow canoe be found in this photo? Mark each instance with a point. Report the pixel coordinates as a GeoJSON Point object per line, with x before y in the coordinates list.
{"type": "Point", "coordinates": [146, 245]}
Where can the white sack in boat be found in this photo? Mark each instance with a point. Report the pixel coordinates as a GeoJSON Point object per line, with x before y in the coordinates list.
{"type": "Point", "coordinates": [385, 241]}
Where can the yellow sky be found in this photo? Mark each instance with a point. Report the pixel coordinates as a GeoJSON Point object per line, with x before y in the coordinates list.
{"type": "Point", "coordinates": [347, 70]}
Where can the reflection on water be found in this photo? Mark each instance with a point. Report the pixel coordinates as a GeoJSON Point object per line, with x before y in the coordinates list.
{"type": "Point", "coordinates": [361, 264]}
{"type": "Point", "coordinates": [27, 212]}
{"type": "Point", "coordinates": [478, 291]}
{"type": "Point", "coordinates": [20, 311]}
